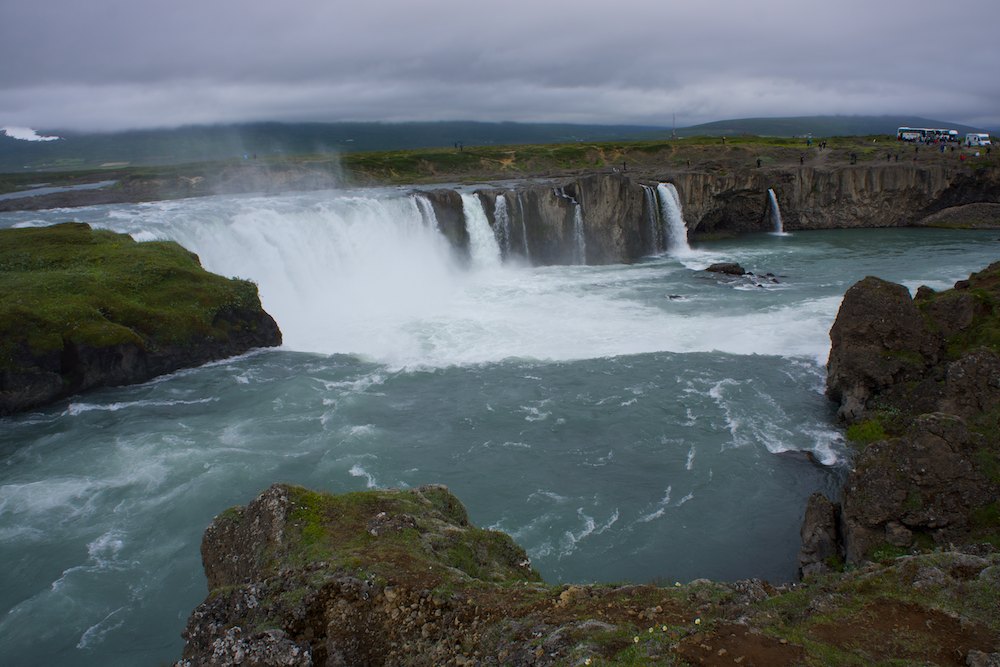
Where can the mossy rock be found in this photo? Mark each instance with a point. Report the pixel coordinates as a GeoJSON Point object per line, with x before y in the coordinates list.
{"type": "Point", "coordinates": [81, 307]}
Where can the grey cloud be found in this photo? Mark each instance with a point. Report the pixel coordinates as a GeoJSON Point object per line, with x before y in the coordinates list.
{"type": "Point", "coordinates": [107, 64]}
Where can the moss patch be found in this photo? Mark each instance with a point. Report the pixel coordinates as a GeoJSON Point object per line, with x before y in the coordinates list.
{"type": "Point", "coordinates": [70, 284]}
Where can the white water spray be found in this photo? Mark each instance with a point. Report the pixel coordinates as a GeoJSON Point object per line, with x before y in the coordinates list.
{"type": "Point", "coordinates": [775, 213]}
{"type": "Point", "coordinates": [483, 247]}
{"type": "Point", "coordinates": [673, 217]}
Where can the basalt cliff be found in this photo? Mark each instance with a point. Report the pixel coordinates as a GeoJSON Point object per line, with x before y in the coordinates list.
{"type": "Point", "coordinates": [917, 381]}
{"type": "Point", "coordinates": [615, 218]}
{"type": "Point", "coordinates": [82, 308]}
{"type": "Point", "coordinates": [602, 217]}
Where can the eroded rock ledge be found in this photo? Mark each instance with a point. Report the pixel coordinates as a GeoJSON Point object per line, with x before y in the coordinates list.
{"type": "Point", "coordinates": [918, 384]}
{"type": "Point", "coordinates": [83, 308]}
{"type": "Point", "coordinates": [402, 578]}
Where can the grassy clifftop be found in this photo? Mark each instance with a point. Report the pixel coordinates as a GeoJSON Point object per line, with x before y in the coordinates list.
{"type": "Point", "coordinates": [81, 307]}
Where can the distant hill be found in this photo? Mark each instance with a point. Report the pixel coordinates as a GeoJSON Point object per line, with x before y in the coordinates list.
{"type": "Point", "coordinates": [818, 126]}
{"type": "Point", "coordinates": [221, 142]}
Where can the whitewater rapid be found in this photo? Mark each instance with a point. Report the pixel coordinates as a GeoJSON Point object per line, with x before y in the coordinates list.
{"type": "Point", "coordinates": [371, 275]}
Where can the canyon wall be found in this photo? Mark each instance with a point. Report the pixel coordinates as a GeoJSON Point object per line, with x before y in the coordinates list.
{"type": "Point", "coordinates": [536, 221]}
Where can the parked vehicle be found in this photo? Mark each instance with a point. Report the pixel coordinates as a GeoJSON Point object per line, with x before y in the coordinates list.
{"type": "Point", "coordinates": [977, 139]}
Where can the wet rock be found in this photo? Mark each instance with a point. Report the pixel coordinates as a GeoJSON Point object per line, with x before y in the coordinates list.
{"type": "Point", "coordinates": [878, 340]}
{"type": "Point", "coordinates": [821, 543]}
{"type": "Point", "coordinates": [727, 268]}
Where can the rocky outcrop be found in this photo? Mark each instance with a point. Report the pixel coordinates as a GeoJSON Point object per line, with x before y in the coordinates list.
{"type": "Point", "coordinates": [400, 577]}
{"type": "Point", "coordinates": [918, 380]}
{"type": "Point", "coordinates": [620, 224]}
{"type": "Point", "coordinates": [150, 309]}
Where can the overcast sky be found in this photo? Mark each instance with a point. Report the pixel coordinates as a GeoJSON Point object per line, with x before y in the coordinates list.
{"type": "Point", "coordinates": [120, 64]}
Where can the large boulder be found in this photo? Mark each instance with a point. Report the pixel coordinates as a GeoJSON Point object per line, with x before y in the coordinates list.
{"type": "Point", "coordinates": [878, 340]}
{"type": "Point", "coordinates": [920, 381]}
{"type": "Point", "coordinates": [917, 489]}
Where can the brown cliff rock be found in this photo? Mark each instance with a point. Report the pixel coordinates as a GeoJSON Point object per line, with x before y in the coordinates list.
{"type": "Point", "coordinates": [921, 380]}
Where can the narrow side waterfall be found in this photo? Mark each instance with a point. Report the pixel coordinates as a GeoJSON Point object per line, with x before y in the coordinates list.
{"type": "Point", "coordinates": [502, 218]}
{"type": "Point", "coordinates": [426, 211]}
{"type": "Point", "coordinates": [653, 221]}
{"type": "Point", "coordinates": [579, 236]}
{"type": "Point", "coordinates": [483, 247]}
{"type": "Point", "coordinates": [524, 226]}
{"type": "Point", "coordinates": [673, 218]}
{"type": "Point", "coordinates": [579, 239]}
{"type": "Point", "coordinates": [775, 212]}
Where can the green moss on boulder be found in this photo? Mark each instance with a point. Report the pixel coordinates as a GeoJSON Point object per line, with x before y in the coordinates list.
{"type": "Point", "coordinates": [400, 577]}
{"type": "Point", "coordinates": [82, 308]}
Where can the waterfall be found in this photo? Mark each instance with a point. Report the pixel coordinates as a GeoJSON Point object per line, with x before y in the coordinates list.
{"type": "Point", "coordinates": [579, 237]}
{"type": "Point", "coordinates": [502, 219]}
{"type": "Point", "coordinates": [775, 212]}
{"type": "Point", "coordinates": [524, 227]}
{"type": "Point", "coordinates": [426, 211]}
{"type": "Point", "coordinates": [483, 248]}
{"type": "Point", "coordinates": [653, 220]}
{"type": "Point", "coordinates": [335, 272]}
{"type": "Point", "coordinates": [673, 217]}
{"type": "Point", "coordinates": [579, 240]}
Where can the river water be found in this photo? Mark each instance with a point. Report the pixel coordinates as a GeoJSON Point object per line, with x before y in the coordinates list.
{"type": "Point", "coordinates": [623, 423]}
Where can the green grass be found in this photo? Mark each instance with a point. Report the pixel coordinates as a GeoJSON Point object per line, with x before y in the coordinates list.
{"type": "Point", "coordinates": [69, 283]}
{"type": "Point", "coordinates": [866, 432]}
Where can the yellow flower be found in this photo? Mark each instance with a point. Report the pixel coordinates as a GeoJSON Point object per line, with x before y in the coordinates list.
{"type": "Point", "coordinates": [587, 661]}
{"type": "Point", "coordinates": [664, 628]}
{"type": "Point", "coordinates": [697, 621]}
{"type": "Point", "coordinates": [635, 639]}
{"type": "Point", "coordinates": [651, 631]}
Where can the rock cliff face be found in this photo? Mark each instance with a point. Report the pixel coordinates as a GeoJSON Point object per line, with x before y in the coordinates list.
{"type": "Point", "coordinates": [918, 380]}
{"type": "Point", "coordinates": [82, 308]}
{"type": "Point", "coordinates": [619, 224]}
{"type": "Point", "coordinates": [391, 577]}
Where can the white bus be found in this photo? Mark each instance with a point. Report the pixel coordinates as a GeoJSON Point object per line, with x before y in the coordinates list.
{"type": "Point", "coordinates": [926, 134]}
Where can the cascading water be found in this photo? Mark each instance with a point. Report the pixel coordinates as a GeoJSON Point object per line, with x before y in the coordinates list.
{"type": "Point", "coordinates": [579, 238]}
{"type": "Point", "coordinates": [579, 235]}
{"type": "Point", "coordinates": [653, 220]}
{"type": "Point", "coordinates": [779, 227]}
{"type": "Point", "coordinates": [673, 217]}
{"type": "Point", "coordinates": [483, 247]}
{"type": "Point", "coordinates": [426, 211]}
{"type": "Point", "coordinates": [524, 226]}
{"type": "Point", "coordinates": [502, 218]}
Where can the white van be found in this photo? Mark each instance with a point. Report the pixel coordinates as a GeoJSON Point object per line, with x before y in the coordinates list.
{"type": "Point", "coordinates": [977, 139]}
